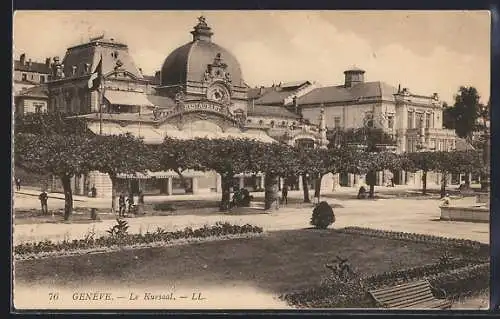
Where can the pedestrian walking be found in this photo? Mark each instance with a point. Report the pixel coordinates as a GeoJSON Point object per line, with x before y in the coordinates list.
{"type": "Point", "coordinates": [121, 205]}
{"type": "Point", "coordinates": [18, 184]}
{"type": "Point", "coordinates": [284, 194]}
{"type": "Point", "coordinates": [43, 201]}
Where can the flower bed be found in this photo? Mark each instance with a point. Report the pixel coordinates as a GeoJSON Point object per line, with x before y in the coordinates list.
{"type": "Point", "coordinates": [464, 281]}
{"type": "Point", "coordinates": [466, 243]}
{"type": "Point", "coordinates": [414, 273]}
{"type": "Point", "coordinates": [121, 240]}
{"type": "Point", "coordinates": [456, 282]}
{"type": "Point", "coordinates": [460, 277]}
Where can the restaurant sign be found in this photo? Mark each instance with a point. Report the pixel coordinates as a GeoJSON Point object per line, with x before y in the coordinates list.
{"type": "Point", "coordinates": [204, 106]}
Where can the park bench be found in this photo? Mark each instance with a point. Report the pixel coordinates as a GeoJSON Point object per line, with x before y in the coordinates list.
{"type": "Point", "coordinates": [416, 295]}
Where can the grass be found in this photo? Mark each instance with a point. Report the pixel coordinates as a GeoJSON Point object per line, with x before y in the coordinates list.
{"type": "Point", "coordinates": [279, 262]}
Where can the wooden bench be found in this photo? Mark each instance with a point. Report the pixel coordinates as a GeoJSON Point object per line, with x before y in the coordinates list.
{"type": "Point", "coordinates": [415, 295]}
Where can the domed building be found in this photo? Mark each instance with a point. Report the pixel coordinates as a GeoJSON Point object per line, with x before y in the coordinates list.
{"type": "Point", "coordinates": [199, 92]}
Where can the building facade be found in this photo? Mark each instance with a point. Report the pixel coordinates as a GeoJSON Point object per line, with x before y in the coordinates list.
{"type": "Point", "coordinates": [199, 92]}
{"type": "Point", "coordinates": [28, 74]}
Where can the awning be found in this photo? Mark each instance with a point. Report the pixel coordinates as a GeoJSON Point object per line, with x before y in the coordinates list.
{"type": "Point", "coordinates": [127, 98]}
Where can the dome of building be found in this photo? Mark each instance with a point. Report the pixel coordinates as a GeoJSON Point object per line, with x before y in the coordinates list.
{"type": "Point", "coordinates": [189, 62]}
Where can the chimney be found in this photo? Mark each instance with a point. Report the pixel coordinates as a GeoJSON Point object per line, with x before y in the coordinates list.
{"type": "Point", "coordinates": [22, 58]}
{"type": "Point", "coordinates": [47, 62]}
{"type": "Point", "coordinates": [261, 90]}
{"type": "Point", "coordinates": [29, 64]}
{"type": "Point", "coordinates": [140, 70]}
{"type": "Point", "coordinates": [353, 77]}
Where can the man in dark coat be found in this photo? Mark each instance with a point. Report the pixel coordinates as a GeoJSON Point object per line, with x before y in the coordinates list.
{"type": "Point", "coordinates": [43, 201]}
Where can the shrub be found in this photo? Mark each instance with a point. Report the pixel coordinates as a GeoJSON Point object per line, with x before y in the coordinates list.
{"type": "Point", "coordinates": [322, 215]}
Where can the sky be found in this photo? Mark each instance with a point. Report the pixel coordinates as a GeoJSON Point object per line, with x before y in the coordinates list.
{"type": "Point", "coordinates": [425, 51]}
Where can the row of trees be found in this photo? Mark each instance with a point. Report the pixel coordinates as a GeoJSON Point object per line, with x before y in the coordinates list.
{"type": "Point", "coordinates": [78, 152]}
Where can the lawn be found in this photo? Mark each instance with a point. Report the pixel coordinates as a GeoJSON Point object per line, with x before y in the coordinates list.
{"type": "Point", "coordinates": [278, 262]}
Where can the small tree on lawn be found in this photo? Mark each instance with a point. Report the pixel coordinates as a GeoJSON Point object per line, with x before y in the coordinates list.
{"type": "Point", "coordinates": [120, 154]}
{"type": "Point", "coordinates": [61, 156]}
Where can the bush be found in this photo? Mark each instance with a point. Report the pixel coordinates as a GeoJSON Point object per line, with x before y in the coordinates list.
{"type": "Point", "coordinates": [322, 215]}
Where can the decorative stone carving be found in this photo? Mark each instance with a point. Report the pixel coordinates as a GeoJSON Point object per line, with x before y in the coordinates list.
{"type": "Point", "coordinates": [217, 71]}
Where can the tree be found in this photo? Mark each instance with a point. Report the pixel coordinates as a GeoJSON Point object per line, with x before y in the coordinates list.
{"type": "Point", "coordinates": [466, 111]}
{"type": "Point", "coordinates": [179, 156]}
{"type": "Point", "coordinates": [50, 123]}
{"type": "Point", "coordinates": [324, 161]}
{"type": "Point", "coordinates": [448, 116]}
{"type": "Point", "coordinates": [227, 157]}
{"type": "Point", "coordinates": [425, 161]}
{"type": "Point", "coordinates": [61, 156]}
{"type": "Point", "coordinates": [120, 154]}
{"type": "Point", "coordinates": [274, 160]}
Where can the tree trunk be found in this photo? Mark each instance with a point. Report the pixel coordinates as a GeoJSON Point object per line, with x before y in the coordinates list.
{"type": "Point", "coordinates": [271, 187]}
{"type": "Point", "coordinates": [68, 196]}
{"type": "Point", "coordinates": [317, 186]}
{"type": "Point", "coordinates": [371, 179]}
{"type": "Point", "coordinates": [424, 182]}
{"type": "Point", "coordinates": [305, 188]}
{"type": "Point", "coordinates": [443, 185]}
{"type": "Point", "coordinates": [467, 180]}
{"type": "Point", "coordinates": [183, 179]}
{"type": "Point", "coordinates": [113, 193]}
{"type": "Point", "coordinates": [226, 180]}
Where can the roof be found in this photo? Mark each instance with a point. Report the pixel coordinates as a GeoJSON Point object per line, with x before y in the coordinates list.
{"type": "Point", "coordinates": [152, 79]}
{"type": "Point", "coordinates": [90, 53]}
{"type": "Point", "coordinates": [35, 67]}
{"type": "Point", "coordinates": [127, 98]}
{"type": "Point", "coordinates": [340, 93]}
{"type": "Point", "coordinates": [161, 101]}
{"type": "Point", "coordinates": [294, 84]}
{"type": "Point", "coordinates": [189, 63]}
{"type": "Point", "coordinates": [39, 91]}
{"type": "Point", "coordinates": [354, 70]}
{"type": "Point", "coordinates": [275, 94]}
{"type": "Point", "coordinates": [271, 111]}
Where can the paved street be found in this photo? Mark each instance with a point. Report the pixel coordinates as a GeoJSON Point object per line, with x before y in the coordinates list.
{"type": "Point", "coordinates": [397, 214]}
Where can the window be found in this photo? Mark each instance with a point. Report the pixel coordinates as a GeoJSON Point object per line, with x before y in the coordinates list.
{"type": "Point", "coordinates": [272, 123]}
{"type": "Point", "coordinates": [32, 77]}
{"type": "Point", "coordinates": [283, 123]}
{"type": "Point", "coordinates": [42, 78]}
{"type": "Point", "coordinates": [427, 120]}
{"type": "Point", "coordinates": [336, 121]}
{"type": "Point", "coordinates": [410, 119]}
{"type": "Point", "coordinates": [24, 76]}
{"type": "Point", "coordinates": [261, 122]}
{"type": "Point", "coordinates": [390, 121]}
{"type": "Point", "coordinates": [249, 121]}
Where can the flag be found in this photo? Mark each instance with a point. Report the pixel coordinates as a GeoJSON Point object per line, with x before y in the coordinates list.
{"type": "Point", "coordinates": [95, 77]}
